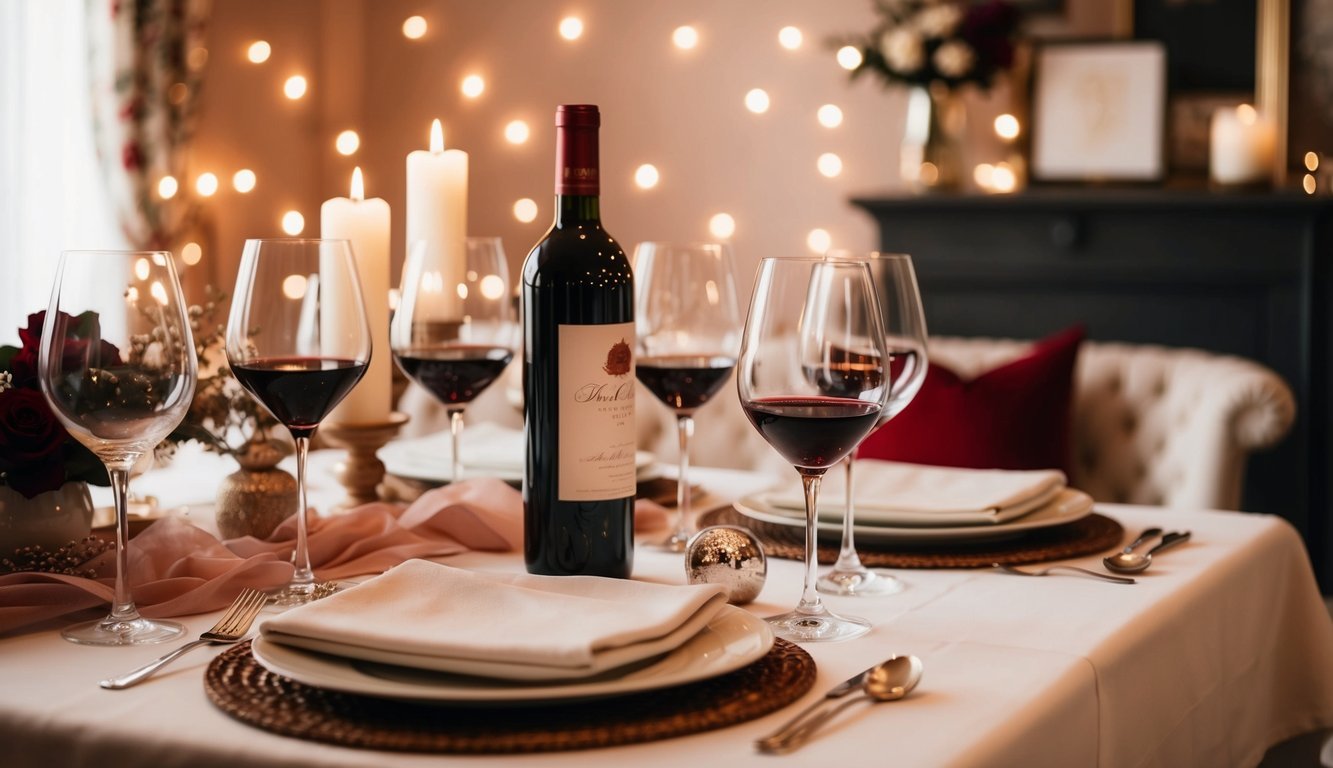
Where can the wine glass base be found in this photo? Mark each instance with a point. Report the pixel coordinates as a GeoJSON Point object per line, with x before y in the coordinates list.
{"type": "Point", "coordinates": [861, 583]}
{"type": "Point", "coordinates": [676, 542]}
{"type": "Point", "coordinates": [823, 627]}
{"type": "Point", "coordinates": [111, 631]}
{"type": "Point", "coordinates": [293, 595]}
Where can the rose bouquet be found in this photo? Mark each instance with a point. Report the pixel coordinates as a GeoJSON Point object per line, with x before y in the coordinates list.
{"type": "Point", "coordinates": [37, 454]}
{"type": "Point", "coordinates": [919, 42]}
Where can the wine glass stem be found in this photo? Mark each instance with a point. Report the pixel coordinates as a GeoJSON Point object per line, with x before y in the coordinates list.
{"type": "Point", "coordinates": [685, 429]}
{"type": "Point", "coordinates": [304, 574]}
{"type": "Point", "coordinates": [848, 560]}
{"type": "Point", "coordinates": [455, 428]}
{"type": "Point", "coordinates": [810, 603]}
{"type": "Point", "coordinates": [122, 608]}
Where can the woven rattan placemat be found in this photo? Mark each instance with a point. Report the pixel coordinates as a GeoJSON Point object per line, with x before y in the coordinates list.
{"type": "Point", "coordinates": [244, 689]}
{"type": "Point", "coordinates": [1089, 535]}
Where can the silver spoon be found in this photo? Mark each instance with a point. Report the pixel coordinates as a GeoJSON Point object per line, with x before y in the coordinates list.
{"type": "Point", "coordinates": [891, 680]}
{"type": "Point", "coordinates": [1132, 562]}
{"type": "Point", "coordinates": [1150, 533]}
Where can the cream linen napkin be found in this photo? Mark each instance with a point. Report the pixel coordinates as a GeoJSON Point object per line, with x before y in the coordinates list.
{"type": "Point", "coordinates": [891, 493]}
{"type": "Point", "coordinates": [431, 616]}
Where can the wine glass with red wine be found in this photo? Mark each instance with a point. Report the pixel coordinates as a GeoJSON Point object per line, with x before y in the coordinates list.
{"type": "Point", "coordinates": [298, 340]}
{"type": "Point", "coordinates": [688, 331]}
{"type": "Point", "coordinates": [117, 365]}
{"type": "Point", "coordinates": [455, 329]}
{"type": "Point", "coordinates": [807, 318]}
{"type": "Point", "coordinates": [905, 339]}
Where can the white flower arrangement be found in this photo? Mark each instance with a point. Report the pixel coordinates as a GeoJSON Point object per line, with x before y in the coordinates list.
{"type": "Point", "coordinates": [920, 42]}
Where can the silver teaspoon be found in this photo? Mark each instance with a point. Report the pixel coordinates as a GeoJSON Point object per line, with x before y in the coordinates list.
{"type": "Point", "coordinates": [1132, 562]}
{"type": "Point", "coordinates": [890, 680]}
{"type": "Point", "coordinates": [1148, 533]}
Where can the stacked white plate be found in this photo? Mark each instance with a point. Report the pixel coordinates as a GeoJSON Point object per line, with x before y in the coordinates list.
{"type": "Point", "coordinates": [489, 450]}
{"type": "Point", "coordinates": [427, 632]}
{"type": "Point", "coordinates": [900, 503]}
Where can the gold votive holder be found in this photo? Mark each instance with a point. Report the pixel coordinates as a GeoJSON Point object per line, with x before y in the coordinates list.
{"type": "Point", "coordinates": [362, 472]}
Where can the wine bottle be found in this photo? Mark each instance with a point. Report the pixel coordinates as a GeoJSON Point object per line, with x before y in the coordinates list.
{"type": "Point", "coordinates": [578, 375]}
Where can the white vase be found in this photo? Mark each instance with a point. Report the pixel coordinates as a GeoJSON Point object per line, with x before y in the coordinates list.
{"type": "Point", "coordinates": [48, 519]}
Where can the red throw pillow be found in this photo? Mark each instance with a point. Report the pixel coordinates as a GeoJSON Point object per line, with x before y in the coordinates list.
{"type": "Point", "coordinates": [1016, 416]}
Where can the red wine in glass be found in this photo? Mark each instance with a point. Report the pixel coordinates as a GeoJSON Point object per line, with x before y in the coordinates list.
{"type": "Point", "coordinates": [813, 432]}
{"type": "Point", "coordinates": [684, 382]}
{"type": "Point", "coordinates": [300, 391]}
{"type": "Point", "coordinates": [298, 340]}
{"type": "Point", "coordinates": [455, 374]}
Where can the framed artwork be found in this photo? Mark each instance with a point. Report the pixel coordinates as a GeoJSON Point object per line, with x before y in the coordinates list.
{"type": "Point", "coordinates": [1222, 52]}
{"type": "Point", "coordinates": [1099, 111]}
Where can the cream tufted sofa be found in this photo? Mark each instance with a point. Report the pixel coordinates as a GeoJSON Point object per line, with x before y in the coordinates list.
{"type": "Point", "coordinates": [1152, 425]}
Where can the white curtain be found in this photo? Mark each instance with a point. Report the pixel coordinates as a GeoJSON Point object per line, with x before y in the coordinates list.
{"type": "Point", "coordinates": [52, 196]}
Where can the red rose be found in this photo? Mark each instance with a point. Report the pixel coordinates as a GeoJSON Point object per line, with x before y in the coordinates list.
{"type": "Point", "coordinates": [75, 353]}
{"type": "Point", "coordinates": [29, 431]}
{"type": "Point", "coordinates": [30, 443]}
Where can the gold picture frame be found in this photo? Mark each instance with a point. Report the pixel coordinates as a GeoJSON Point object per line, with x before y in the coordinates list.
{"type": "Point", "coordinates": [1271, 68]}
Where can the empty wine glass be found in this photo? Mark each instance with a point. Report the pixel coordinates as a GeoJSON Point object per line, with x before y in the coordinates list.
{"type": "Point", "coordinates": [298, 340]}
{"type": "Point", "coordinates": [455, 330]}
{"type": "Point", "coordinates": [117, 365]}
{"type": "Point", "coordinates": [905, 340]}
{"type": "Point", "coordinates": [688, 333]}
{"type": "Point", "coordinates": [809, 318]}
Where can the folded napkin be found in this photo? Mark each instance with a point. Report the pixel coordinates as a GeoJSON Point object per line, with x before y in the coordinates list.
{"type": "Point", "coordinates": [891, 493]}
{"type": "Point", "coordinates": [178, 569]}
{"type": "Point", "coordinates": [431, 616]}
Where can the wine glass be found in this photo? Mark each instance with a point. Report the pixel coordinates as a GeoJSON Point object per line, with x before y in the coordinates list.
{"type": "Point", "coordinates": [905, 340]}
{"type": "Point", "coordinates": [117, 365]}
{"type": "Point", "coordinates": [809, 318]}
{"type": "Point", "coordinates": [688, 332]}
{"type": "Point", "coordinates": [455, 330]}
{"type": "Point", "coordinates": [298, 340]}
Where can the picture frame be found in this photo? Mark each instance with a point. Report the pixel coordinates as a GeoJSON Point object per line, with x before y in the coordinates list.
{"type": "Point", "coordinates": [1099, 111]}
{"type": "Point", "coordinates": [1222, 51]}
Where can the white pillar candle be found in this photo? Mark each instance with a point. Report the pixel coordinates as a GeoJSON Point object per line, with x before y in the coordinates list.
{"type": "Point", "coordinates": [437, 212]}
{"type": "Point", "coordinates": [1240, 146]}
{"type": "Point", "coordinates": [365, 223]}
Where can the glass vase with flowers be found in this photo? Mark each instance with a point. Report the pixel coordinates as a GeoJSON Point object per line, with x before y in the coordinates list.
{"type": "Point", "coordinates": [936, 47]}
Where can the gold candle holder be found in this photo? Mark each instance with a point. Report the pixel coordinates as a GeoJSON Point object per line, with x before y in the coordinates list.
{"type": "Point", "coordinates": [362, 471]}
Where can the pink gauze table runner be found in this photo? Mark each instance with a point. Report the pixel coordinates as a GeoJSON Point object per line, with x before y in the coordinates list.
{"type": "Point", "coordinates": [178, 569]}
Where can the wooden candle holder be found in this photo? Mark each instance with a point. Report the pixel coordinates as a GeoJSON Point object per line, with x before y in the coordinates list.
{"type": "Point", "coordinates": [362, 471]}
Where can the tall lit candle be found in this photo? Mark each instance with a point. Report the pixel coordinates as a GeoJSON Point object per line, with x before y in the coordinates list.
{"type": "Point", "coordinates": [365, 223]}
{"type": "Point", "coordinates": [1241, 145]}
{"type": "Point", "coordinates": [437, 208]}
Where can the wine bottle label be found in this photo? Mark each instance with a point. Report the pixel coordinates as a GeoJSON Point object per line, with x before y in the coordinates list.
{"type": "Point", "coordinates": [597, 432]}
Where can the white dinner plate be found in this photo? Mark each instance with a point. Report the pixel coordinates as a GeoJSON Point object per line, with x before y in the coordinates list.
{"type": "Point", "coordinates": [488, 451]}
{"type": "Point", "coordinates": [1067, 507]}
{"type": "Point", "coordinates": [733, 639]}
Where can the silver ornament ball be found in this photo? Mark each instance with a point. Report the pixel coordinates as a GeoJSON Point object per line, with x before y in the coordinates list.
{"type": "Point", "coordinates": [729, 556]}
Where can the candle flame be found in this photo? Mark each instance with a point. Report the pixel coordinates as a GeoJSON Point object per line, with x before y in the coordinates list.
{"type": "Point", "coordinates": [436, 136]}
{"type": "Point", "coordinates": [1247, 114]}
{"type": "Point", "coordinates": [358, 185]}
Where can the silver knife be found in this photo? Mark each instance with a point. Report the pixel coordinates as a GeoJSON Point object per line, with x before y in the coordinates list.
{"type": "Point", "coordinates": [853, 683]}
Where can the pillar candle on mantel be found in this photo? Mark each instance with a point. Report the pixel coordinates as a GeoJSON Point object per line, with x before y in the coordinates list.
{"type": "Point", "coordinates": [1241, 145]}
{"type": "Point", "coordinates": [437, 211]}
{"type": "Point", "coordinates": [365, 223]}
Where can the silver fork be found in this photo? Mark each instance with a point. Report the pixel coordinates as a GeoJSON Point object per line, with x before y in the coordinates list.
{"type": "Point", "coordinates": [230, 628]}
{"type": "Point", "coordinates": [1068, 568]}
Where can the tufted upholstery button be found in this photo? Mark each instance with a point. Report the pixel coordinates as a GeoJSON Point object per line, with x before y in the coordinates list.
{"type": "Point", "coordinates": [1130, 423]}
{"type": "Point", "coordinates": [1113, 385]}
{"type": "Point", "coordinates": [1159, 387]}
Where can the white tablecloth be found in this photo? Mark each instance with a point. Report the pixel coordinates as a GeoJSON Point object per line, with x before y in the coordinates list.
{"type": "Point", "coordinates": [1221, 650]}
